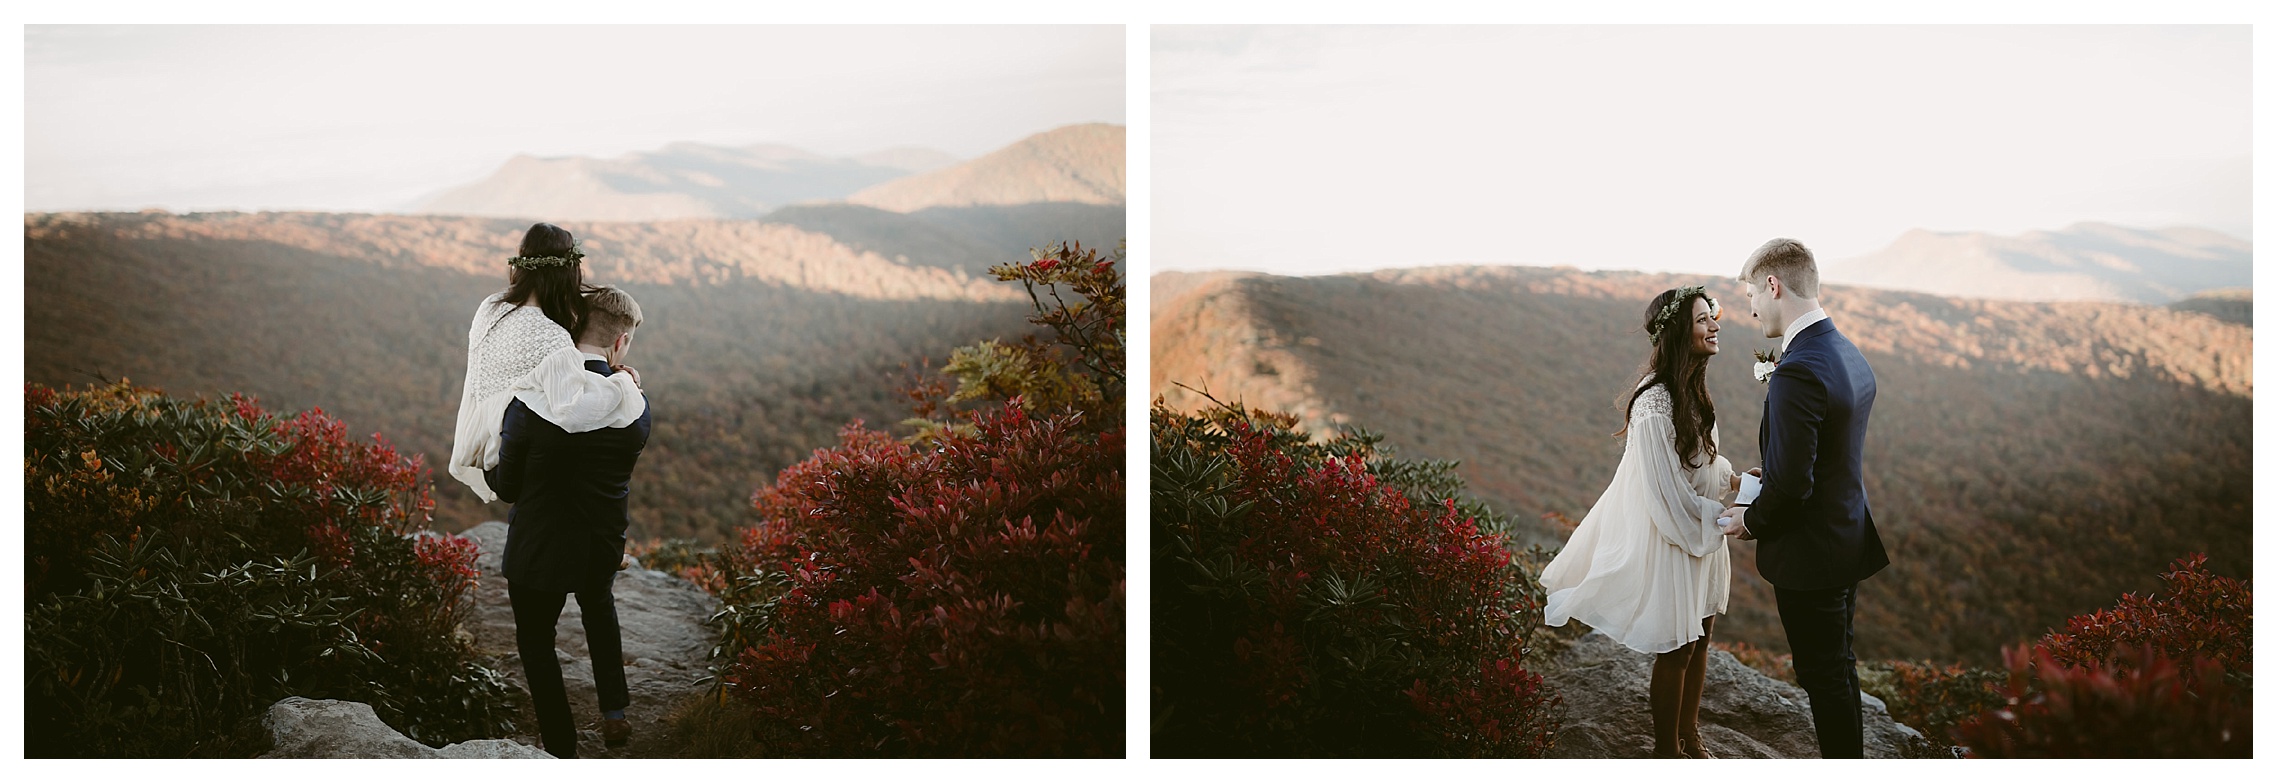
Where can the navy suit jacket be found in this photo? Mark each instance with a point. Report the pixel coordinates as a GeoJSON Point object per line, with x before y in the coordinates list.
{"type": "Point", "coordinates": [566, 531]}
{"type": "Point", "coordinates": [1811, 521]}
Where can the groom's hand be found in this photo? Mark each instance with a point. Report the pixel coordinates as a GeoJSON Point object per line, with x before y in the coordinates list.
{"type": "Point", "coordinates": [1738, 526]}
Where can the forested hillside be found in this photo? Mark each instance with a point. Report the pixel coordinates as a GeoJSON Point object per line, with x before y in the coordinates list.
{"type": "Point", "coordinates": [2027, 461]}
{"type": "Point", "coordinates": [761, 341]}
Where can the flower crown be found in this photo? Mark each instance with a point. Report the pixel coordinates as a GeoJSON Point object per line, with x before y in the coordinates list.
{"type": "Point", "coordinates": [1667, 315]}
{"type": "Point", "coordinates": [566, 258]}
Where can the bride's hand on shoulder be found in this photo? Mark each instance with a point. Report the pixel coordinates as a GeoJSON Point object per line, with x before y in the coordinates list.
{"type": "Point", "coordinates": [628, 370]}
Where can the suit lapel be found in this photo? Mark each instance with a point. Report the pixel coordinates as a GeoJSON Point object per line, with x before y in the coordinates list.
{"type": "Point", "coordinates": [1802, 339]}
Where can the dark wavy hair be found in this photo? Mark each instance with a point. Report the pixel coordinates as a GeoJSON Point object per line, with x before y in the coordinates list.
{"type": "Point", "coordinates": [558, 290]}
{"type": "Point", "coordinates": [1674, 365]}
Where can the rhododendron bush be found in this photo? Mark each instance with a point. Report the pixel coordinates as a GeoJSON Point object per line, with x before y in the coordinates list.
{"type": "Point", "coordinates": [958, 592]}
{"type": "Point", "coordinates": [2163, 676]}
{"type": "Point", "coordinates": [1320, 599]}
{"type": "Point", "coordinates": [190, 562]}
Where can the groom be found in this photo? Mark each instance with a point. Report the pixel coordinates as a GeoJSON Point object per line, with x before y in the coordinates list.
{"type": "Point", "coordinates": [566, 532]}
{"type": "Point", "coordinates": [1816, 535]}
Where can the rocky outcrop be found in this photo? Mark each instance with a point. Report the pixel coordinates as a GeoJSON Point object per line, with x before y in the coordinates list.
{"type": "Point", "coordinates": [1743, 713]}
{"type": "Point", "coordinates": [665, 648]}
{"type": "Point", "coordinates": [332, 729]}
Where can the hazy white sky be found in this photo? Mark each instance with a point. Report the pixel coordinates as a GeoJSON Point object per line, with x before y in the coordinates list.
{"type": "Point", "coordinates": [1307, 150]}
{"type": "Point", "coordinates": [354, 118]}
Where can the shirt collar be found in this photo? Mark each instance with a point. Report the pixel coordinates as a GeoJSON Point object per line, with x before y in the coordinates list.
{"type": "Point", "coordinates": [1800, 323]}
{"type": "Point", "coordinates": [594, 357]}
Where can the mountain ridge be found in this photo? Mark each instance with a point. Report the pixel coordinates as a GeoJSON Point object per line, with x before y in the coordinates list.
{"type": "Point", "coordinates": [2085, 261]}
{"type": "Point", "coordinates": [1080, 164]}
{"type": "Point", "coordinates": [681, 180]}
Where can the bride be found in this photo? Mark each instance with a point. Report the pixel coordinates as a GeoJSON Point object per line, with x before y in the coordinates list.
{"type": "Point", "coordinates": [1647, 566]}
{"type": "Point", "coordinates": [519, 347]}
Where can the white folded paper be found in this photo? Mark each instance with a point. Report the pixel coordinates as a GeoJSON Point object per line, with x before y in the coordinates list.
{"type": "Point", "coordinates": [1749, 487]}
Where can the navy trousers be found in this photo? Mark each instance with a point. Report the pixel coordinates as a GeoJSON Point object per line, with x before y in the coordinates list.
{"type": "Point", "coordinates": [1818, 631]}
{"type": "Point", "coordinates": [536, 612]}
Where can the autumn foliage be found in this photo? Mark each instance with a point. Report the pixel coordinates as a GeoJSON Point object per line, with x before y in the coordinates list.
{"type": "Point", "coordinates": [1320, 599]}
{"type": "Point", "coordinates": [2163, 676]}
{"type": "Point", "coordinates": [959, 592]}
{"type": "Point", "coordinates": [190, 562]}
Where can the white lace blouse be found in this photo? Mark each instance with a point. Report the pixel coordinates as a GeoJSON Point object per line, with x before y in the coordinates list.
{"type": "Point", "coordinates": [1647, 563]}
{"type": "Point", "coordinates": [527, 356]}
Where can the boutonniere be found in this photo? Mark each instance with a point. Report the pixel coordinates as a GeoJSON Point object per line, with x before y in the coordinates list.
{"type": "Point", "coordinates": [1764, 365]}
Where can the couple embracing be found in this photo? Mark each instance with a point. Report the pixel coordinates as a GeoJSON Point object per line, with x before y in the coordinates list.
{"type": "Point", "coordinates": [552, 420]}
{"type": "Point", "coordinates": [1648, 566]}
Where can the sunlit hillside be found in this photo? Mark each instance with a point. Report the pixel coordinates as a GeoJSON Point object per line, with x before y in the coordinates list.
{"type": "Point", "coordinates": [2027, 461]}
{"type": "Point", "coordinates": [761, 340]}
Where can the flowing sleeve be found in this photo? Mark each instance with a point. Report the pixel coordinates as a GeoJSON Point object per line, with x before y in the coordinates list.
{"type": "Point", "coordinates": [1679, 512]}
{"type": "Point", "coordinates": [1713, 480]}
{"type": "Point", "coordinates": [575, 399]}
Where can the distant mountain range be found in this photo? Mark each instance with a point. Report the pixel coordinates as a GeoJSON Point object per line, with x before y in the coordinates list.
{"type": "Point", "coordinates": [1080, 164]}
{"type": "Point", "coordinates": [762, 339]}
{"type": "Point", "coordinates": [2029, 459]}
{"type": "Point", "coordinates": [2086, 261]}
{"type": "Point", "coordinates": [770, 327]}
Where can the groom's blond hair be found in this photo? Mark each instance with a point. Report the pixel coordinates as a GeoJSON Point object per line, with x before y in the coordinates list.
{"type": "Point", "coordinates": [609, 312]}
{"type": "Point", "coordinates": [1787, 259]}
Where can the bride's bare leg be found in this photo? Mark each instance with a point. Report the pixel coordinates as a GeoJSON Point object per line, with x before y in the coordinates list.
{"type": "Point", "coordinates": [1666, 697]}
{"type": "Point", "coordinates": [1695, 678]}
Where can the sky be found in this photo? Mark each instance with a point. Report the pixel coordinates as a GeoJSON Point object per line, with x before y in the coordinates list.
{"type": "Point", "coordinates": [1314, 150]}
{"type": "Point", "coordinates": [374, 118]}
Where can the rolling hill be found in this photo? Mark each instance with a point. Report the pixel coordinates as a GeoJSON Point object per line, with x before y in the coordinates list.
{"type": "Point", "coordinates": [762, 338]}
{"type": "Point", "coordinates": [2087, 261]}
{"type": "Point", "coordinates": [684, 180]}
{"type": "Point", "coordinates": [2029, 459]}
{"type": "Point", "coordinates": [1078, 164]}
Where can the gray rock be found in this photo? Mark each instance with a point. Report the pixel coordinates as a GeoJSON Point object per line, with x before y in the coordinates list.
{"type": "Point", "coordinates": [1743, 713]}
{"type": "Point", "coordinates": [666, 646]}
{"type": "Point", "coordinates": [331, 729]}
{"type": "Point", "coordinates": [490, 749]}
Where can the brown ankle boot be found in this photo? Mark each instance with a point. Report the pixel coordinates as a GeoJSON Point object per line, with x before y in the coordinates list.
{"type": "Point", "coordinates": [615, 732]}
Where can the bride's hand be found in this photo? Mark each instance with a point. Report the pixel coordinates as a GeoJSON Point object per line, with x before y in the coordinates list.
{"type": "Point", "coordinates": [628, 370]}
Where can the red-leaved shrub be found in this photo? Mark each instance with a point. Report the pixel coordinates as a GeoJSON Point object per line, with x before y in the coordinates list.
{"type": "Point", "coordinates": [2163, 676]}
{"type": "Point", "coordinates": [2200, 614]}
{"type": "Point", "coordinates": [1306, 606]}
{"type": "Point", "coordinates": [2141, 705]}
{"type": "Point", "coordinates": [190, 562]}
{"type": "Point", "coordinates": [958, 593]}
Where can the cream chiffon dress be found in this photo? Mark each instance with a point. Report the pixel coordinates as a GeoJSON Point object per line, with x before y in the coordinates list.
{"type": "Point", "coordinates": [520, 354]}
{"type": "Point", "coordinates": [1648, 563]}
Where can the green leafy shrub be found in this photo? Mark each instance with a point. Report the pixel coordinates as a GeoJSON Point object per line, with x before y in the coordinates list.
{"type": "Point", "coordinates": [1321, 599]}
{"type": "Point", "coordinates": [958, 592]}
{"type": "Point", "coordinates": [190, 562]}
{"type": "Point", "coordinates": [680, 556]}
{"type": "Point", "coordinates": [1931, 698]}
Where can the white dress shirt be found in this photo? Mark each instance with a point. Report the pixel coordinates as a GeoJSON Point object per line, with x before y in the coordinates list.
{"type": "Point", "coordinates": [1800, 323]}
